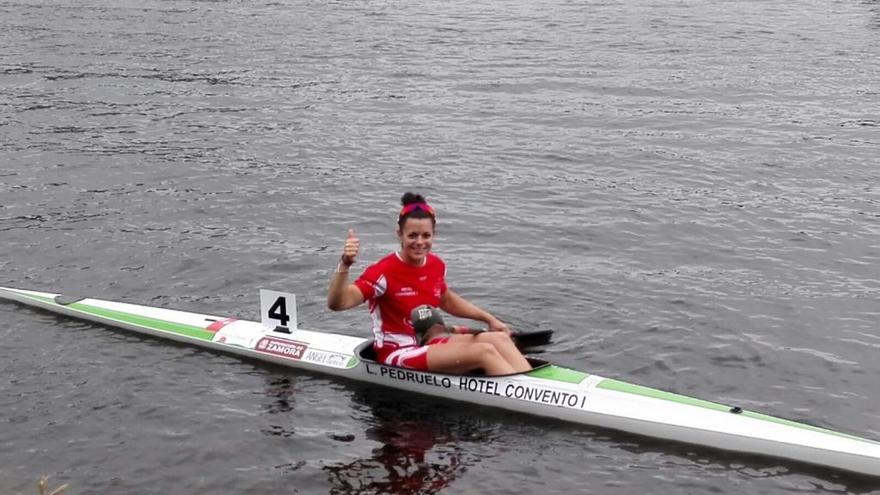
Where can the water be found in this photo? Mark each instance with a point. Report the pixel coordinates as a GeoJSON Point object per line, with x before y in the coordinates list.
{"type": "Point", "coordinates": [685, 191]}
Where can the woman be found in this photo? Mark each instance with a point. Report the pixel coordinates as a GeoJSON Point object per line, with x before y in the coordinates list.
{"type": "Point", "coordinates": [411, 277]}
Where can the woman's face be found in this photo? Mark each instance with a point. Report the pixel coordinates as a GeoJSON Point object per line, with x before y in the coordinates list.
{"type": "Point", "coordinates": [416, 239]}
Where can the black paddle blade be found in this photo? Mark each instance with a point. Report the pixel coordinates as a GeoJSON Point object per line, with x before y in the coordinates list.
{"type": "Point", "coordinates": [531, 338]}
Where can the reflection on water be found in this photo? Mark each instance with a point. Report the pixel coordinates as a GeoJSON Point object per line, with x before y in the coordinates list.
{"type": "Point", "coordinates": [407, 462]}
{"type": "Point", "coordinates": [281, 389]}
{"type": "Point", "coordinates": [424, 448]}
{"type": "Point", "coordinates": [423, 445]}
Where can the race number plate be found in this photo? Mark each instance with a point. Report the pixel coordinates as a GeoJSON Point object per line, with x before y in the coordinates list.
{"type": "Point", "coordinates": [277, 309]}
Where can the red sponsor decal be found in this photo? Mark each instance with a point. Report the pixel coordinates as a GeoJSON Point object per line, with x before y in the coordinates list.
{"type": "Point", "coordinates": [284, 348]}
{"type": "Point", "coordinates": [217, 325]}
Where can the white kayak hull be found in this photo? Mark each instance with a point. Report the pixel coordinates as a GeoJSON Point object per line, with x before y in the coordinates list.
{"type": "Point", "coordinates": [548, 390]}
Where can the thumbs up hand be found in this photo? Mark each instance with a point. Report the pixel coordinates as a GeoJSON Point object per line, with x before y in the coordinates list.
{"type": "Point", "coordinates": [350, 251]}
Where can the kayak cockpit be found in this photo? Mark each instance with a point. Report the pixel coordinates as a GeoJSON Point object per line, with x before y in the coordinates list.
{"type": "Point", "coordinates": [366, 353]}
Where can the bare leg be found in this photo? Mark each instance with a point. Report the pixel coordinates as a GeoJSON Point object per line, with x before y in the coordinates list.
{"type": "Point", "coordinates": [506, 348]}
{"type": "Point", "coordinates": [461, 357]}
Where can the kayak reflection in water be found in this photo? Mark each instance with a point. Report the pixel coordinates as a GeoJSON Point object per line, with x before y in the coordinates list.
{"type": "Point", "coordinates": [413, 276]}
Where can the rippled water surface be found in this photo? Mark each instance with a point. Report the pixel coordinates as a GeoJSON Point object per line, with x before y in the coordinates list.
{"type": "Point", "coordinates": [685, 191]}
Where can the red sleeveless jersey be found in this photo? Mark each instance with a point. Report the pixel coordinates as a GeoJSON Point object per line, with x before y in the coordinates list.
{"type": "Point", "coordinates": [393, 288]}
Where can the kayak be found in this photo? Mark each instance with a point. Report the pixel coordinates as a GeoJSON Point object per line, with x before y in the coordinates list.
{"type": "Point", "coordinates": [547, 390]}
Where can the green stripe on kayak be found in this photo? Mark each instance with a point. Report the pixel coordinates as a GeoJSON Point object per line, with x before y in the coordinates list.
{"type": "Point", "coordinates": [558, 374]}
{"type": "Point", "coordinates": [788, 422]}
{"type": "Point", "coordinates": [141, 321]}
{"type": "Point", "coordinates": [629, 388]}
{"type": "Point", "coordinates": [619, 386]}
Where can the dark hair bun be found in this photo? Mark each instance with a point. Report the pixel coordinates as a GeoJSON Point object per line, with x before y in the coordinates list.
{"type": "Point", "coordinates": [410, 198]}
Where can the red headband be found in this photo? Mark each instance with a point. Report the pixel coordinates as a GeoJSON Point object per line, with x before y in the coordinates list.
{"type": "Point", "coordinates": [425, 207]}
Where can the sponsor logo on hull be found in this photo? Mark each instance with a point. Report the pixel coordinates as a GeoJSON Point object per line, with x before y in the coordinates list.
{"type": "Point", "coordinates": [325, 358]}
{"type": "Point", "coordinates": [285, 348]}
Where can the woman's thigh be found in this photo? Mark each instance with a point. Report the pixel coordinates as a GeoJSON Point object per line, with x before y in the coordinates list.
{"type": "Point", "coordinates": [460, 356]}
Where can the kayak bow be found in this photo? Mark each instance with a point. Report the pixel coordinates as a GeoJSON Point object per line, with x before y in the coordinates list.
{"type": "Point", "coordinates": [548, 390]}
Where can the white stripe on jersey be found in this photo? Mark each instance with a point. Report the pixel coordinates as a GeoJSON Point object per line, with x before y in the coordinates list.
{"type": "Point", "coordinates": [380, 287]}
{"type": "Point", "coordinates": [377, 325]}
{"type": "Point", "coordinates": [401, 339]}
{"type": "Point", "coordinates": [400, 356]}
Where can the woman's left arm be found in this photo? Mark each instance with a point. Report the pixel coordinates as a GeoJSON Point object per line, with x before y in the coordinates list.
{"type": "Point", "coordinates": [456, 305]}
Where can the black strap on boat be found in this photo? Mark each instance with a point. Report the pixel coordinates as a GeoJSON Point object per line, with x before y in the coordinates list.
{"type": "Point", "coordinates": [736, 410]}
{"type": "Point", "coordinates": [65, 300]}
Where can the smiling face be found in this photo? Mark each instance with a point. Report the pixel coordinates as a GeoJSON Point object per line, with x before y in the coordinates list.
{"type": "Point", "coordinates": [416, 239]}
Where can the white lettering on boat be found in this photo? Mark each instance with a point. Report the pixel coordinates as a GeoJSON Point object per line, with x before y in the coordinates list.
{"type": "Point", "coordinates": [284, 348]}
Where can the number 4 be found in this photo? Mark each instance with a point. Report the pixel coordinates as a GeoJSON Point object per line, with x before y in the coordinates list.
{"type": "Point", "coordinates": [277, 309]}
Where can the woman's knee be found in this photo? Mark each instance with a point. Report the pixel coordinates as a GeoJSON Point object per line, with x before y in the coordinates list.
{"type": "Point", "coordinates": [495, 338]}
{"type": "Point", "coordinates": [485, 351]}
